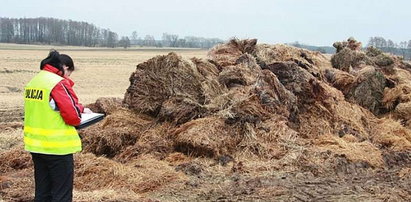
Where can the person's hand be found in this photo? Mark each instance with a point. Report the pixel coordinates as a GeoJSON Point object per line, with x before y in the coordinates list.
{"type": "Point", "coordinates": [87, 111]}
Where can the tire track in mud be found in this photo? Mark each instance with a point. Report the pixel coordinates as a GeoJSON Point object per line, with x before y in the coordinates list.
{"type": "Point", "coordinates": [356, 184]}
{"type": "Point", "coordinates": [377, 187]}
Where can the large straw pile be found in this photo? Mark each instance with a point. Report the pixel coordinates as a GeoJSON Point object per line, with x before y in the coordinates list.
{"type": "Point", "coordinates": [247, 98]}
{"type": "Point", "coordinates": [258, 107]}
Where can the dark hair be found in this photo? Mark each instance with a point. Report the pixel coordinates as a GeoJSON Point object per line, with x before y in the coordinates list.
{"type": "Point", "coordinates": [57, 60]}
{"type": "Point", "coordinates": [52, 59]}
{"type": "Point", "coordinates": [66, 60]}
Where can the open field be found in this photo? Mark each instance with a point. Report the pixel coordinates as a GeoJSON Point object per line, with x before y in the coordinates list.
{"type": "Point", "coordinates": [101, 72]}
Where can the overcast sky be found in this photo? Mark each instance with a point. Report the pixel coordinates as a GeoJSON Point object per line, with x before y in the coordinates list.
{"type": "Point", "coordinates": [315, 22]}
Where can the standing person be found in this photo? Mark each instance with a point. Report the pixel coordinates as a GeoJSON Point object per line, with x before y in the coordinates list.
{"type": "Point", "coordinates": [49, 133]}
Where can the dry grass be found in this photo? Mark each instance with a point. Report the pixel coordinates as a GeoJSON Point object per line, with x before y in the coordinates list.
{"type": "Point", "coordinates": [208, 137]}
{"type": "Point", "coordinates": [106, 195]}
{"type": "Point", "coordinates": [400, 94]}
{"type": "Point", "coordinates": [144, 174]}
{"type": "Point", "coordinates": [114, 133]}
{"type": "Point", "coordinates": [340, 79]}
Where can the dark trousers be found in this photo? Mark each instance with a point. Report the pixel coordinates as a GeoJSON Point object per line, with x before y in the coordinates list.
{"type": "Point", "coordinates": [53, 175]}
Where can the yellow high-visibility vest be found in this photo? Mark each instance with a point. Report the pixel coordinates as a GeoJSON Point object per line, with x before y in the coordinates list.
{"type": "Point", "coordinates": [45, 131]}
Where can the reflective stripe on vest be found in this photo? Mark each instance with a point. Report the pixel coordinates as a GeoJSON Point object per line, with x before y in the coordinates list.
{"type": "Point", "coordinates": [44, 129]}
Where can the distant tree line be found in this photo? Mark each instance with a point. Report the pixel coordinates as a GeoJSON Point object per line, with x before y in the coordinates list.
{"type": "Point", "coordinates": [173, 40]}
{"type": "Point", "coordinates": [55, 31]}
{"type": "Point", "coordinates": [402, 48]}
{"type": "Point", "coordinates": [67, 32]}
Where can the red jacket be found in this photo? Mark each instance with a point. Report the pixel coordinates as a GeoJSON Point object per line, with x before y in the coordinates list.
{"type": "Point", "coordinates": [65, 98]}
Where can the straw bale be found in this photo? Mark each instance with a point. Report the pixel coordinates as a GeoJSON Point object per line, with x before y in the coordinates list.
{"type": "Point", "coordinates": [334, 115]}
{"type": "Point", "coordinates": [399, 94]}
{"type": "Point", "coordinates": [238, 75]}
{"type": "Point", "coordinates": [248, 110]}
{"type": "Point", "coordinates": [354, 44]}
{"type": "Point", "coordinates": [267, 54]}
{"type": "Point", "coordinates": [351, 44]}
{"type": "Point", "coordinates": [313, 62]}
{"type": "Point", "coordinates": [106, 105]}
{"type": "Point", "coordinates": [160, 78]}
{"type": "Point", "coordinates": [224, 55]}
{"type": "Point", "coordinates": [403, 111]}
{"type": "Point", "coordinates": [245, 116]}
{"type": "Point", "coordinates": [373, 52]}
{"type": "Point", "coordinates": [117, 131]}
{"type": "Point", "coordinates": [209, 83]}
{"type": "Point", "coordinates": [348, 59]}
{"type": "Point", "coordinates": [402, 76]}
{"type": "Point", "coordinates": [209, 137]}
{"type": "Point", "coordinates": [368, 90]}
{"type": "Point", "coordinates": [274, 96]}
{"type": "Point", "coordinates": [216, 97]}
{"type": "Point", "coordinates": [388, 133]}
{"type": "Point", "coordinates": [244, 72]}
{"type": "Point", "coordinates": [341, 80]}
{"type": "Point", "coordinates": [157, 140]}
{"type": "Point", "coordinates": [145, 174]}
{"type": "Point", "coordinates": [180, 110]}
{"type": "Point", "coordinates": [206, 68]}
{"type": "Point", "coordinates": [153, 140]}
{"type": "Point", "coordinates": [231, 98]}
{"type": "Point", "coordinates": [228, 54]}
{"type": "Point", "coordinates": [109, 143]}
{"type": "Point", "coordinates": [298, 80]}
{"type": "Point", "coordinates": [339, 46]}
{"type": "Point", "coordinates": [330, 93]}
{"type": "Point", "coordinates": [248, 61]}
{"type": "Point", "coordinates": [176, 90]}
{"type": "Point", "coordinates": [268, 139]}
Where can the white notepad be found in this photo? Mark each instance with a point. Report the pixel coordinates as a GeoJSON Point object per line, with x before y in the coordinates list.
{"type": "Point", "coordinates": [89, 119]}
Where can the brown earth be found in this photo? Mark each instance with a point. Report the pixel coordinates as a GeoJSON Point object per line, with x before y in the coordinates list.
{"type": "Point", "coordinates": [251, 122]}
